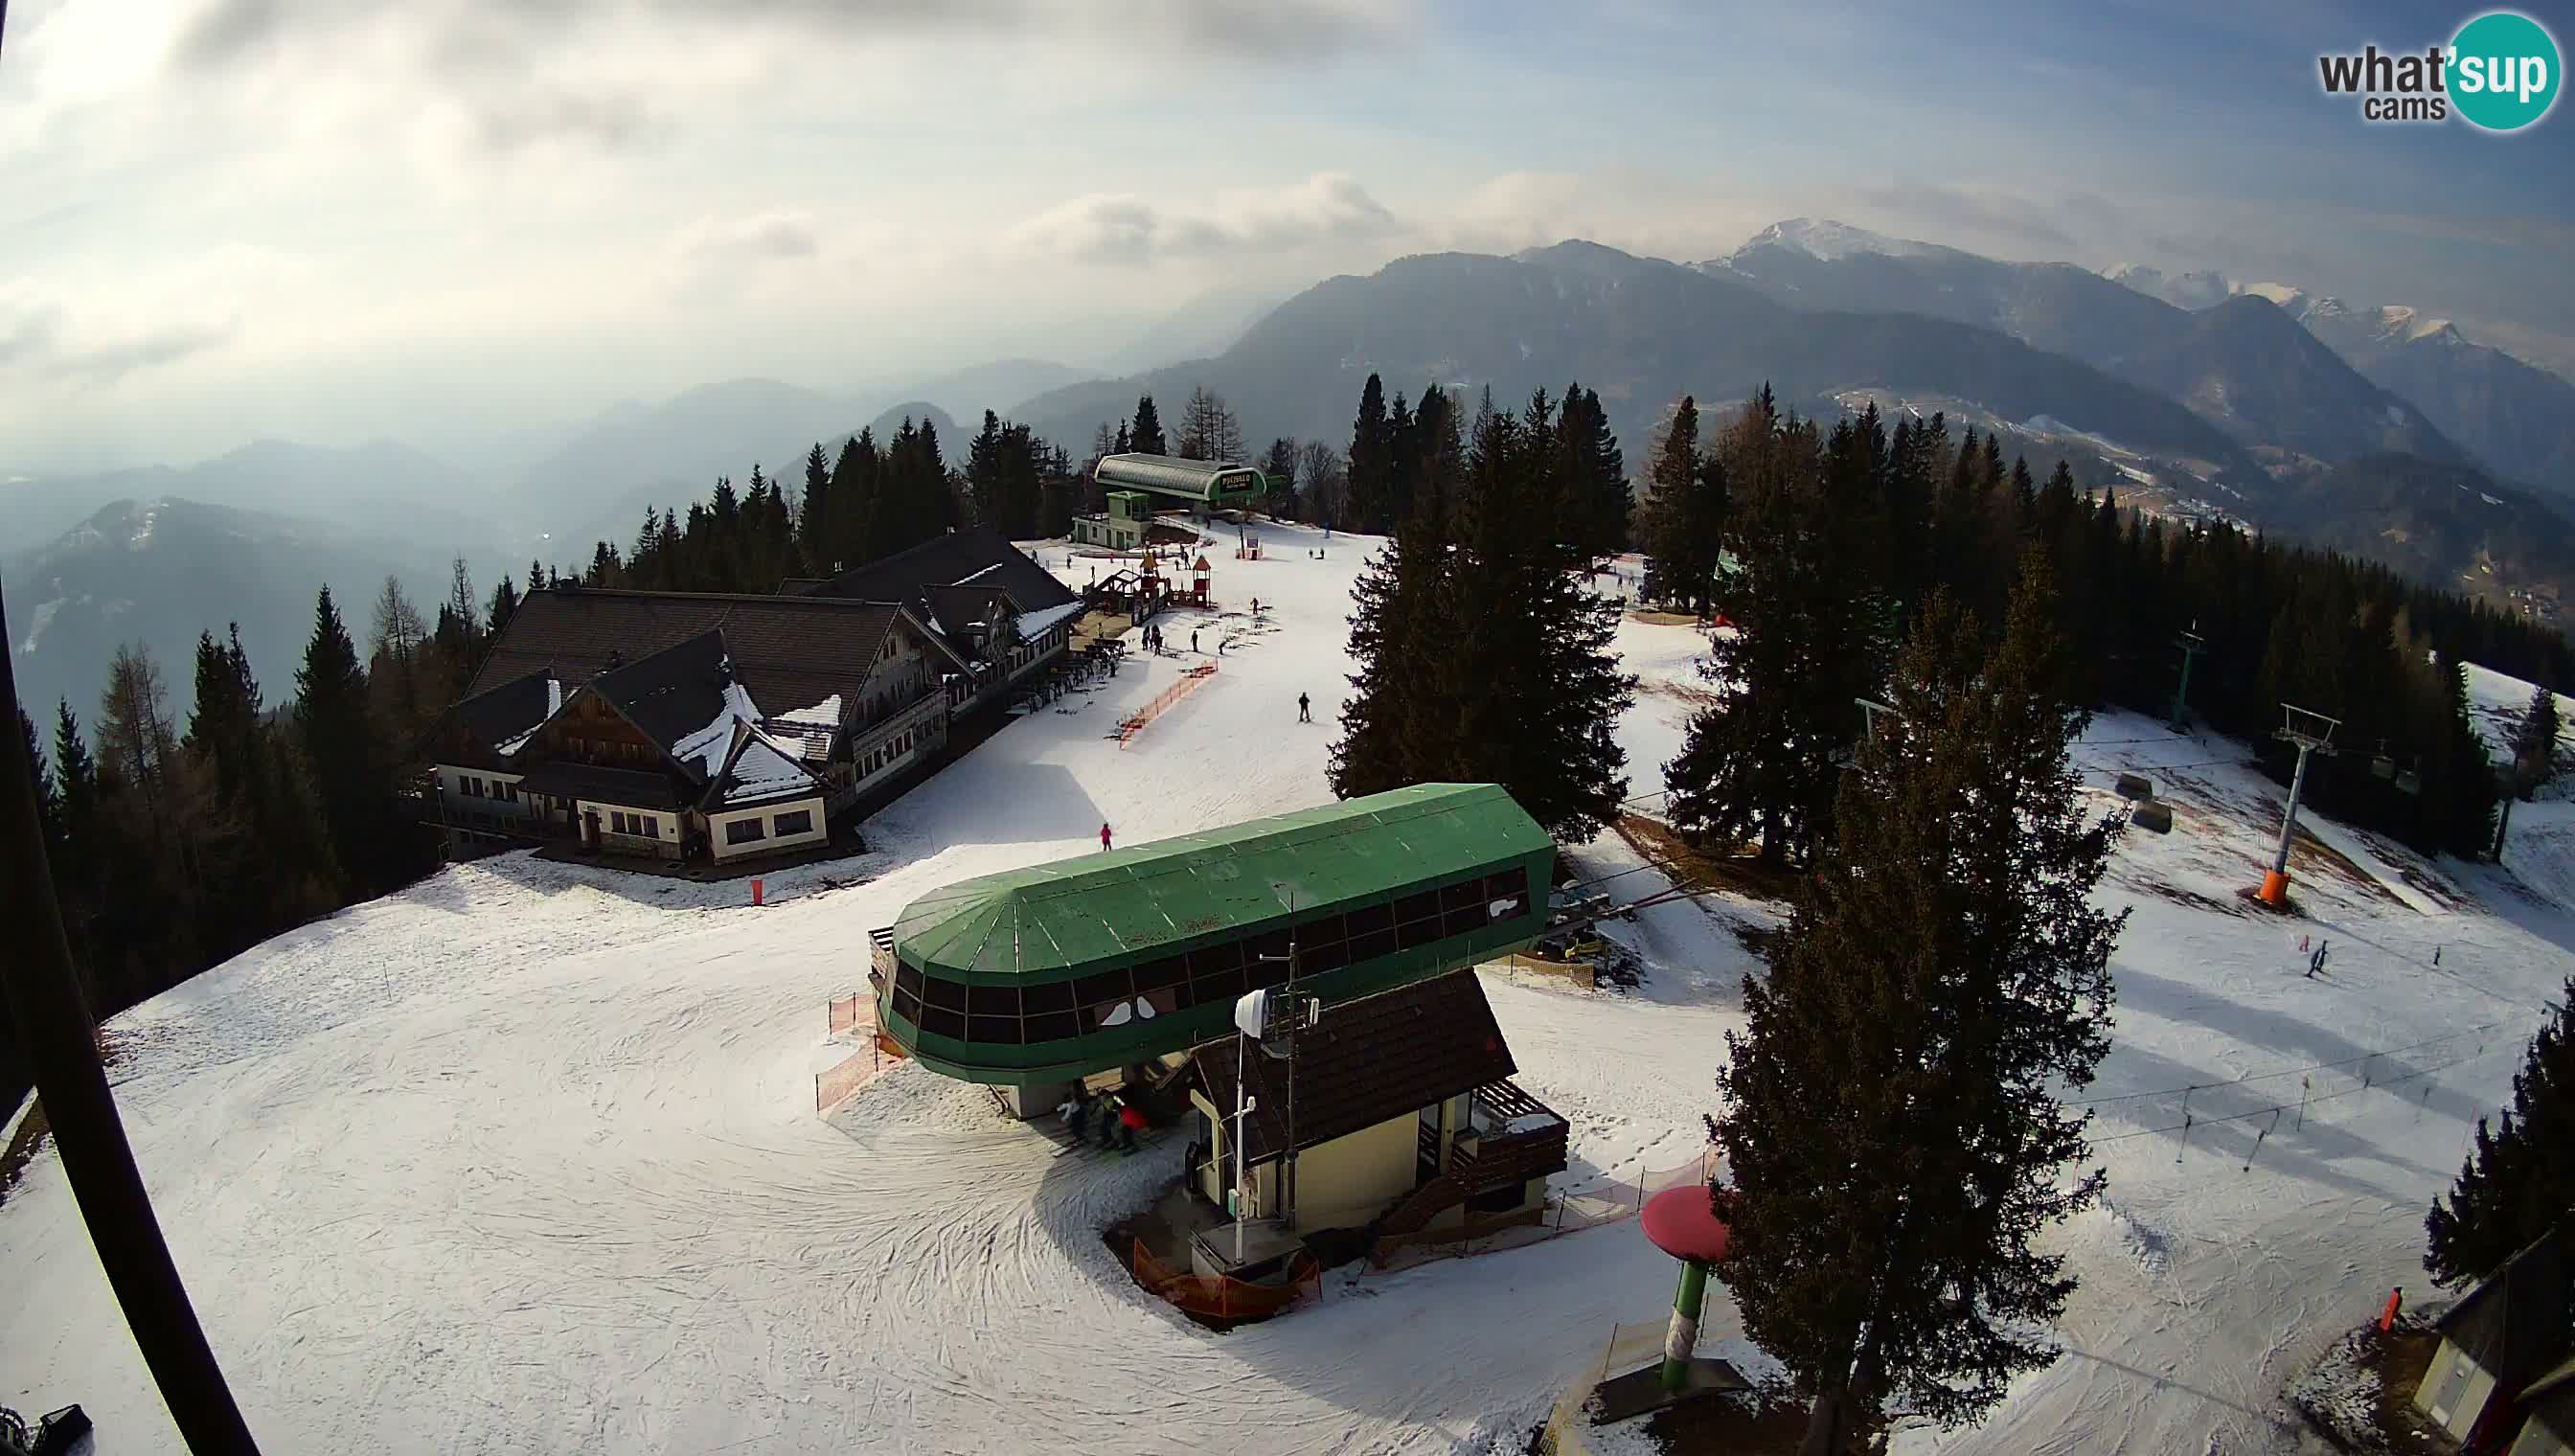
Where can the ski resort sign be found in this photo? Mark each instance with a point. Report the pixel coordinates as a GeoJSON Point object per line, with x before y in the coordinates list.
{"type": "Point", "coordinates": [2500, 73]}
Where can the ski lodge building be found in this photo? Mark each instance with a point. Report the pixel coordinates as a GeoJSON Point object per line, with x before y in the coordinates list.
{"type": "Point", "coordinates": [706, 728]}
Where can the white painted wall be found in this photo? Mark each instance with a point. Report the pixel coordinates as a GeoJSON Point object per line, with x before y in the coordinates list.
{"type": "Point", "coordinates": [771, 841]}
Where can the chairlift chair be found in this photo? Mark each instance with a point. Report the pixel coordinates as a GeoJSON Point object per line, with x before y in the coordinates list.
{"type": "Point", "coordinates": [2409, 781]}
{"type": "Point", "coordinates": [2134, 786]}
{"type": "Point", "coordinates": [2152, 814]}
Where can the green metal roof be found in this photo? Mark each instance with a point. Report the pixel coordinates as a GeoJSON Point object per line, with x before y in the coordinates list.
{"type": "Point", "coordinates": [1096, 910]}
{"type": "Point", "coordinates": [1172, 475]}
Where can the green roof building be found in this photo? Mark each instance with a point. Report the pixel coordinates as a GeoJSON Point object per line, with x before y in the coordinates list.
{"type": "Point", "coordinates": [1209, 484]}
{"type": "Point", "coordinates": [1040, 976]}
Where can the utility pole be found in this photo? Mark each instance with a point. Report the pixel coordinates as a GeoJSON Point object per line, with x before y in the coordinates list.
{"type": "Point", "coordinates": [60, 1045]}
{"type": "Point", "coordinates": [2191, 645]}
{"type": "Point", "coordinates": [1287, 1017]}
{"type": "Point", "coordinates": [2312, 732]}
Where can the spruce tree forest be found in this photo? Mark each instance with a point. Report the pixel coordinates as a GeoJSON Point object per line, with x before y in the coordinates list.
{"type": "Point", "coordinates": [1891, 1124]}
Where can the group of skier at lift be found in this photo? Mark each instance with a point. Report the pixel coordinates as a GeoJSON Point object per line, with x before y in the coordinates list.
{"type": "Point", "coordinates": [1119, 1119]}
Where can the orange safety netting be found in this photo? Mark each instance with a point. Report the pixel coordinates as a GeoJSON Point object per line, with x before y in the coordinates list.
{"type": "Point", "coordinates": [1216, 1296]}
{"type": "Point", "coordinates": [1189, 683]}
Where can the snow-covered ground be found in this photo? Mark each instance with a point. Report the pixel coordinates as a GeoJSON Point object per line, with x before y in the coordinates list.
{"type": "Point", "coordinates": [524, 1158]}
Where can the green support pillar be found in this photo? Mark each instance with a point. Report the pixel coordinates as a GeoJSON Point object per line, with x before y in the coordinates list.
{"type": "Point", "coordinates": [1683, 1336]}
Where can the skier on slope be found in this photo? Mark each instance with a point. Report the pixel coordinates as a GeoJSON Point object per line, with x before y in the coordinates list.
{"type": "Point", "coordinates": [1103, 837]}
{"type": "Point", "coordinates": [1305, 709]}
{"type": "Point", "coordinates": [1130, 1121]}
{"type": "Point", "coordinates": [1076, 1110]}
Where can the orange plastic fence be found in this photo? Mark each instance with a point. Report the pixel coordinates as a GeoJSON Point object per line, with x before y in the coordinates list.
{"type": "Point", "coordinates": [1216, 1296]}
{"type": "Point", "coordinates": [833, 1087]}
{"type": "Point", "coordinates": [1189, 683]}
{"type": "Point", "coordinates": [846, 1013]}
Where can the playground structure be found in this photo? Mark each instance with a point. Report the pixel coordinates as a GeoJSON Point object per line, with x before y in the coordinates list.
{"type": "Point", "coordinates": [1206, 485]}
{"type": "Point", "coordinates": [1033, 978]}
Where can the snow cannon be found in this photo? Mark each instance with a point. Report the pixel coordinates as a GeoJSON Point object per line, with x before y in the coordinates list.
{"type": "Point", "coordinates": [1683, 1224]}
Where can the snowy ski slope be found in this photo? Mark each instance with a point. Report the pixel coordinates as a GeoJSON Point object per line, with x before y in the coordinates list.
{"type": "Point", "coordinates": [524, 1158]}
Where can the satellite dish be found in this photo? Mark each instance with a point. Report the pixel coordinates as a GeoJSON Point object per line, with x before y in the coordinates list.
{"type": "Point", "coordinates": [1252, 1012]}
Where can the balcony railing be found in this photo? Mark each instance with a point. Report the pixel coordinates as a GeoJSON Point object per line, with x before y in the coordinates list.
{"type": "Point", "coordinates": [881, 955]}
{"type": "Point", "coordinates": [1511, 1138]}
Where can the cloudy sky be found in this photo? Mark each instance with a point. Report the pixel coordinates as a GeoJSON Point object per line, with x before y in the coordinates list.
{"type": "Point", "coordinates": [331, 220]}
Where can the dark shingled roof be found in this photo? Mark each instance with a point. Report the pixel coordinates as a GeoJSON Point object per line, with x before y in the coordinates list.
{"type": "Point", "coordinates": [957, 609]}
{"type": "Point", "coordinates": [509, 710]}
{"type": "Point", "coordinates": [790, 651]}
{"type": "Point", "coordinates": [676, 691]}
{"type": "Point", "coordinates": [1367, 1060]}
{"type": "Point", "coordinates": [2521, 1320]}
{"type": "Point", "coordinates": [977, 557]}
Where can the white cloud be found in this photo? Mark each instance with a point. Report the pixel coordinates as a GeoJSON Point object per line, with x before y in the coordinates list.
{"type": "Point", "coordinates": [1122, 228]}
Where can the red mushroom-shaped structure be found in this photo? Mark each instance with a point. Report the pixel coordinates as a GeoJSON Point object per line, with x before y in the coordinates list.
{"type": "Point", "coordinates": [1682, 1223]}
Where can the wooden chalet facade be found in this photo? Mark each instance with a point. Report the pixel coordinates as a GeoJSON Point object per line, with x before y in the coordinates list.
{"type": "Point", "coordinates": [856, 691]}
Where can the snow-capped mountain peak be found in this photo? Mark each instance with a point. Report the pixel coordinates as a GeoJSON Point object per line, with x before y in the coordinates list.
{"type": "Point", "coordinates": [1829, 240]}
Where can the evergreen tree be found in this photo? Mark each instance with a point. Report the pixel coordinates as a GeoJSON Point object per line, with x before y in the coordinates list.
{"type": "Point", "coordinates": [1402, 702]}
{"type": "Point", "coordinates": [856, 478]}
{"type": "Point", "coordinates": [983, 472]}
{"type": "Point", "coordinates": [1279, 472]}
{"type": "Point", "coordinates": [1145, 435]}
{"type": "Point", "coordinates": [1683, 515]}
{"type": "Point", "coordinates": [1104, 442]}
{"type": "Point", "coordinates": [2534, 744]}
{"type": "Point", "coordinates": [352, 778]}
{"type": "Point", "coordinates": [49, 794]}
{"type": "Point", "coordinates": [505, 605]}
{"type": "Point", "coordinates": [1369, 464]}
{"type": "Point", "coordinates": [1891, 1123]}
{"type": "Point", "coordinates": [1598, 499]}
{"type": "Point", "coordinates": [2519, 1183]}
{"type": "Point", "coordinates": [1761, 761]}
{"type": "Point", "coordinates": [87, 850]}
{"type": "Point", "coordinates": [814, 514]}
{"type": "Point", "coordinates": [1533, 652]}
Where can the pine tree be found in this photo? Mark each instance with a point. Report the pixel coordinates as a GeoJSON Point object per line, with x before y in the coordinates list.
{"type": "Point", "coordinates": [1402, 710]}
{"type": "Point", "coordinates": [1533, 652]}
{"type": "Point", "coordinates": [857, 479]}
{"type": "Point", "coordinates": [1598, 499]}
{"type": "Point", "coordinates": [814, 514]}
{"type": "Point", "coordinates": [505, 605]}
{"type": "Point", "coordinates": [1682, 514]}
{"type": "Point", "coordinates": [49, 794]}
{"type": "Point", "coordinates": [1369, 464]}
{"type": "Point", "coordinates": [1279, 472]}
{"type": "Point", "coordinates": [983, 472]}
{"type": "Point", "coordinates": [1761, 761]}
{"type": "Point", "coordinates": [2519, 1183]}
{"type": "Point", "coordinates": [87, 848]}
{"type": "Point", "coordinates": [2534, 744]}
{"type": "Point", "coordinates": [1144, 436]}
{"type": "Point", "coordinates": [334, 728]}
{"type": "Point", "coordinates": [1892, 1127]}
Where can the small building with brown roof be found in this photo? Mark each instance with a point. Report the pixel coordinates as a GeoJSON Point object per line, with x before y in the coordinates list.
{"type": "Point", "coordinates": [1403, 1116]}
{"type": "Point", "coordinates": [2503, 1378]}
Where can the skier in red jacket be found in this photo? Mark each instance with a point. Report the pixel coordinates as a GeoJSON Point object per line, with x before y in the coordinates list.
{"type": "Point", "coordinates": [1103, 837]}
